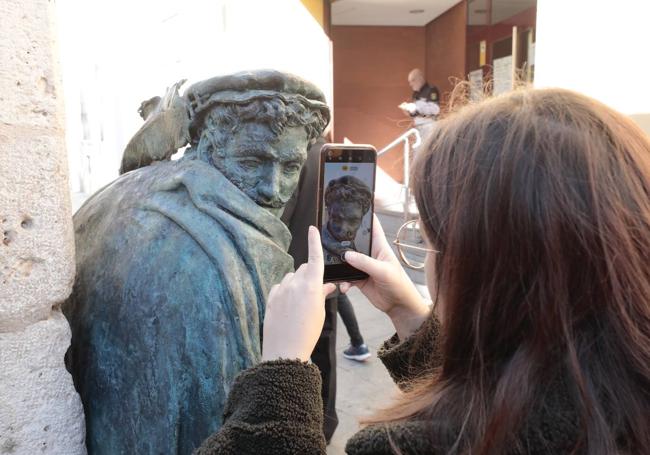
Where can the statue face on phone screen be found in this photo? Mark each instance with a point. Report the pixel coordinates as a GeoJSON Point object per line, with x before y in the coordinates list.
{"type": "Point", "coordinates": [347, 181]}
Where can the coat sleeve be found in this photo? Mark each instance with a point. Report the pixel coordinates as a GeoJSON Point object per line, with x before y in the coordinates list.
{"type": "Point", "coordinates": [414, 357]}
{"type": "Point", "coordinates": [273, 408]}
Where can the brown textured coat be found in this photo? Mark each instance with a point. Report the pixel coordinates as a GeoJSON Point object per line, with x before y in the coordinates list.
{"type": "Point", "coordinates": [276, 408]}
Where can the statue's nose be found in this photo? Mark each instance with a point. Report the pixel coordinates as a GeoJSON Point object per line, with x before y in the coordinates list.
{"type": "Point", "coordinates": [269, 186]}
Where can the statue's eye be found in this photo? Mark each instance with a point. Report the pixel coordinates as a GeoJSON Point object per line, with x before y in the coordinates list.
{"type": "Point", "coordinates": [249, 163]}
{"type": "Point", "coordinates": [291, 168]}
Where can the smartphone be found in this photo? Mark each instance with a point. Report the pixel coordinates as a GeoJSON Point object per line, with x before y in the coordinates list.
{"type": "Point", "coordinates": [346, 193]}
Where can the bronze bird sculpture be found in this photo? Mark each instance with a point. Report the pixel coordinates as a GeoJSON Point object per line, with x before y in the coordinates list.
{"type": "Point", "coordinates": [165, 130]}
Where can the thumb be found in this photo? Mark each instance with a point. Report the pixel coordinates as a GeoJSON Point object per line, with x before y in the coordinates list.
{"type": "Point", "coordinates": [379, 240]}
{"type": "Point", "coordinates": [371, 266]}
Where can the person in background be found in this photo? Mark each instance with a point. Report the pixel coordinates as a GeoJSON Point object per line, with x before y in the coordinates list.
{"type": "Point", "coordinates": [357, 349]}
{"type": "Point", "coordinates": [425, 106]}
{"type": "Point", "coordinates": [535, 208]}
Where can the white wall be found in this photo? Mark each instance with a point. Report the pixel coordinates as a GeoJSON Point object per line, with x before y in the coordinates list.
{"type": "Point", "coordinates": [597, 47]}
{"type": "Point", "coordinates": [116, 54]}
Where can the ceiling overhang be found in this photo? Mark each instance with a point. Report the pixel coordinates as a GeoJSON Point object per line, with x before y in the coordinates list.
{"type": "Point", "coordinates": [414, 13]}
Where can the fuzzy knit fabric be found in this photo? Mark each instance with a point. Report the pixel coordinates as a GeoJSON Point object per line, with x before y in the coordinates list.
{"type": "Point", "coordinates": [273, 408]}
{"type": "Point", "coordinates": [276, 408]}
{"type": "Point", "coordinates": [414, 357]}
{"type": "Point", "coordinates": [551, 430]}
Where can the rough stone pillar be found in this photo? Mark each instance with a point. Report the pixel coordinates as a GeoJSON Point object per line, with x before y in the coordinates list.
{"type": "Point", "coordinates": [40, 412]}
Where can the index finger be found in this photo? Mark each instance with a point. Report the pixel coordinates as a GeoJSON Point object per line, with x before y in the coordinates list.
{"type": "Point", "coordinates": [315, 261]}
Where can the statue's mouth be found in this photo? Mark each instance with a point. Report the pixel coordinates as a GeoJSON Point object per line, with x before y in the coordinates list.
{"type": "Point", "coordinates": [342, 237]}
{"type": "Point", "coordinates": [277, 204]}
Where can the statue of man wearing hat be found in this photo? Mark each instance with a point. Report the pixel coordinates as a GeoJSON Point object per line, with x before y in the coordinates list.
{"type": "Point", "coordinates": [175, 259]}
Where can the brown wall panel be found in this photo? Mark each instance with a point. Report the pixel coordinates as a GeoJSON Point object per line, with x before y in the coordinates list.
{"type": "Point", "coordinates": [371, 65]}
{"type": "Point", "coordinates": [493, 33]}
{"type": "Point", "coordinates": [446, 47]}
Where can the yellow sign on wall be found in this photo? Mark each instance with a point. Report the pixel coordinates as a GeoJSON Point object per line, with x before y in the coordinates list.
{"type": "Point", "coordinates": [482, 53]}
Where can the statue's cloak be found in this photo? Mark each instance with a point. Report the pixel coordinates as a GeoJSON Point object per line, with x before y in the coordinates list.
{"type": "Point", "coordinates": [174, 264]}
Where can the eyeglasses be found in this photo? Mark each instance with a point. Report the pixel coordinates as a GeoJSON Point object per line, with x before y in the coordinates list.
{"type": "Point", "coordinates": [410, 245]}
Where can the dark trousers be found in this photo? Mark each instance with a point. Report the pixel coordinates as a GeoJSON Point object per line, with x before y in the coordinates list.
{"type": "Point", "coordinates": [324, 357]}
{"type": "Point", "coordinates": [350, 320]}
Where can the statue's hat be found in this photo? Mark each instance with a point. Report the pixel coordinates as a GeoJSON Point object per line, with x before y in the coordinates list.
{"type": "Point", "coordinates": [242, 87]}
{"type": "Point", "coordinates": [178, 119]}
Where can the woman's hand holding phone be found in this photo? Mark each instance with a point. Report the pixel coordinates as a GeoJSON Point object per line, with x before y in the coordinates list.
{"type": "Point", "coordinates": [295, 309]}
{"type": "Point", "coordinates": [388, 287]}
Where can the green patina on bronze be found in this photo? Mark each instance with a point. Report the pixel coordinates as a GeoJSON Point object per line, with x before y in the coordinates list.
{"type": "Point", "coordinates": [175, 258]}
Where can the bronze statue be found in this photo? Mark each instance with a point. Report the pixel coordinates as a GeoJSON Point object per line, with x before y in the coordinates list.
{"type": "Point", "coordinates": [175, 259]}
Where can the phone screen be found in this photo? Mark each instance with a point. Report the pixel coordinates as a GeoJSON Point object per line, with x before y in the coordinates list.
{"type": "Point", "coordinates": [346, 207]}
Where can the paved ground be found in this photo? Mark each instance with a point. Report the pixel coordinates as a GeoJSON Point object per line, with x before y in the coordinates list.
{"type": "Point", "coordinates": [362, 386]}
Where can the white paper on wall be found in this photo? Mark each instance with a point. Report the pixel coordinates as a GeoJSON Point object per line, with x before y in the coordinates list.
{"type": "Point", "coordinates": [502, 74]}
{"type": "Point", "coordinates": [476, 85]}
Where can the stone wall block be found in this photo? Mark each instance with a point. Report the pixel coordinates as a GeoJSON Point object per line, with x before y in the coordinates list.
{"type": "Point", "coordinates": [28, 81]}
{"type": "Point", "coordinates": [36, 238]}
{"type": "Point", "coordinates": [55, 424]}
{"type": "Point", "coordinates": [37, 243]}
{"type": "Point", "coordinates": [40, 411]}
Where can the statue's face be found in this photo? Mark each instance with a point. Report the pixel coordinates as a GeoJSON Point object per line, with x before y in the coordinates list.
{"type": "Point", "coordinates": [344, 219]}
{"type": "Point", "coordinates": [263, 166]}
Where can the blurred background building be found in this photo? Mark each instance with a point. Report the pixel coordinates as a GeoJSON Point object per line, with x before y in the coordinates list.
{"type": "Point", "coordinates": [377, 43]}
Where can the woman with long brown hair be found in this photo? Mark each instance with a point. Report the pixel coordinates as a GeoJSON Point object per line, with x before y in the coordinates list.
{"type": "Point", "coordinates": [535, 207]}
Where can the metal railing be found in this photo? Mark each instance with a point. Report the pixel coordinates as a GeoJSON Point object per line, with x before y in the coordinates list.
{"type": "Point", "coordinates": [407, 146]}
